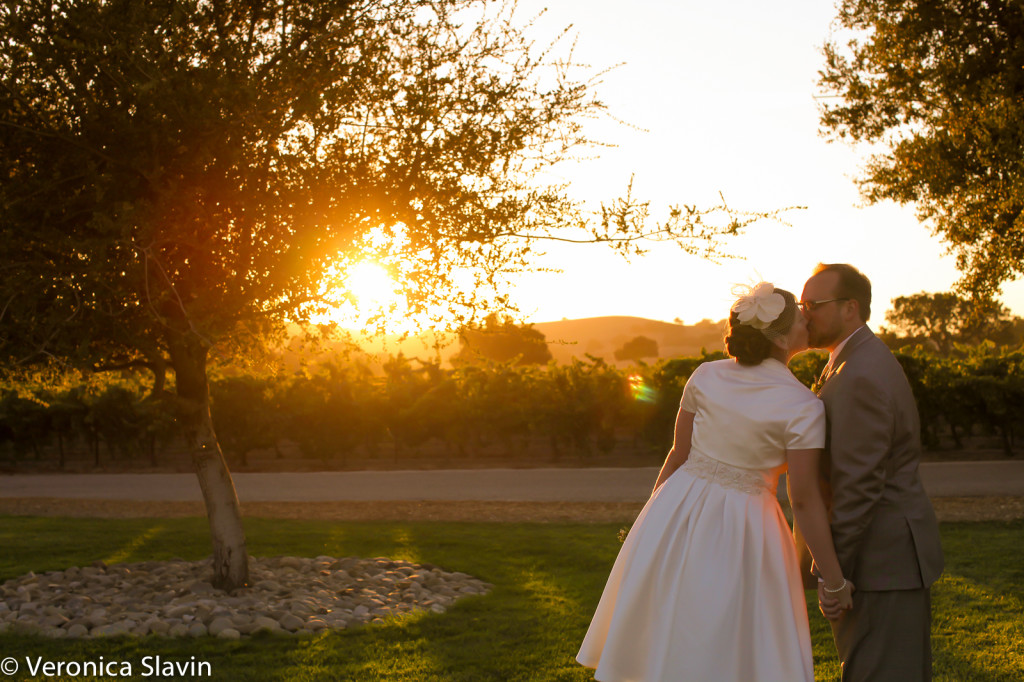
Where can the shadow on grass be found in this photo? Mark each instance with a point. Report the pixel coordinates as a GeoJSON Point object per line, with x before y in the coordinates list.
{"type": "Point", "coordinates": [547, 580]}
{"type": "Point", "coordinates": [977, 604]}
{"type": "Point", "coordinates": [977, 627]}
{"type": "Point", "coordinates": [528, 628]}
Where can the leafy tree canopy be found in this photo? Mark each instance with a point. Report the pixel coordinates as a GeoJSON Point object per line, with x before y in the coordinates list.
{"type": "Point", "coordinates": [938, 85]}
{"type": "Point", "coordinates": [500, 339]}
{"type": "Point", "coordinates": [186, 168]}
{"type": "Point", "coordinates": [637, 348]}
{"type": "Point", "coordinates": [194, 168]}
{"type": "Point", "coordinates": [942, 320]}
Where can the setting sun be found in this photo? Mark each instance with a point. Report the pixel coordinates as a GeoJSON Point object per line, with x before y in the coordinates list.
{"type": "Point", "coordinates": [372, 286]}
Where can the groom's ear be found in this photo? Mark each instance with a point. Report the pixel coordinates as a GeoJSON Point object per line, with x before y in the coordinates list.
{"type": "Point", "coordinates": [854, 307]}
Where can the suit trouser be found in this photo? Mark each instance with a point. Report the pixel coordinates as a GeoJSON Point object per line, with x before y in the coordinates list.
{"type": "Point", "coordinates": [886, 637]}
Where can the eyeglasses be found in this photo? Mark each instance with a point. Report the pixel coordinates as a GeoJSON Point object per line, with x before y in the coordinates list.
{"type": "Point", "coordinates": [811, 306]}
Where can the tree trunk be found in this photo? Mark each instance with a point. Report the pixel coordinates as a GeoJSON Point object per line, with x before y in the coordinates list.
{"type": "Point", "coordinates": [230, 560]}
{"type": "Point", "coordinates": [556, 449]}
{"type": "Point", "coordinates": [955, 432]}
{"type": "Point", "coordinates": [159, 369]}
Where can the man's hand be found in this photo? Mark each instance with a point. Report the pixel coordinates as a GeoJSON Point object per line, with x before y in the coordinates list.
{"type": "Point", "coordinates": [833, 606]}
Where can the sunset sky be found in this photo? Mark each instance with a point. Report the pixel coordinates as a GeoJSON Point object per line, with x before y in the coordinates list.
{"type": "Point", "coordinates": [721, 98]}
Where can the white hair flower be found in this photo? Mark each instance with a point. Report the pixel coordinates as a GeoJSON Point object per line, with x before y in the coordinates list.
{"type": "Point", "coordinates": [760, 307]}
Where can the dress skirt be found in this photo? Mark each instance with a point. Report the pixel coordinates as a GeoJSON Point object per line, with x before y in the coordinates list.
{"type": "Point", "coordinates": [706, 587]}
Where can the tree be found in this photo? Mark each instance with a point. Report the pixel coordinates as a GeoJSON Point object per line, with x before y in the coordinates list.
{"type": "Point", "coordinates": [637, 348]}
{"type": "Point", "coordinates": [500, 339]}
{"type": "Point", "coordinates": [939, 85]}
{"type": "Point", "coordinates": [942, 320]}
{"type": "Point", "coordinates": [180, 178]}
{"type": "Point", "coordinates": [244, 415]}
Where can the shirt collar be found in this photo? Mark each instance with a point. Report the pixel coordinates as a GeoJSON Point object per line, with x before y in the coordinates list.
{"type": "Point", "coordinates": [842, 344]}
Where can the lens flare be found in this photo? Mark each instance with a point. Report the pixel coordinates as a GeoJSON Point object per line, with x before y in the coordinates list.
{"type": "Point", "coordinates": [640, 390]}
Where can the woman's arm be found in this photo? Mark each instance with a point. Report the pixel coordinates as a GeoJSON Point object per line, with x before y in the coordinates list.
{"type": "Point", "coordinates": [680, 446]}
{"type": "Point", "coordinates": [812, 519]}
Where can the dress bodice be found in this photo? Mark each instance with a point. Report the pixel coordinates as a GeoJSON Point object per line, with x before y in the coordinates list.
{"type": "Point", "coordinates": [748, 416]}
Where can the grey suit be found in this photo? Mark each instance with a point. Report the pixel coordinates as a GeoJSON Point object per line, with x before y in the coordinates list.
{"type": "Point", "coordinates": [883, 525]}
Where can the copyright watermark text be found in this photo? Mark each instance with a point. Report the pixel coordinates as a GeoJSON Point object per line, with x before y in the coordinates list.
{"type": "Point", "coordinates": [147, 666]}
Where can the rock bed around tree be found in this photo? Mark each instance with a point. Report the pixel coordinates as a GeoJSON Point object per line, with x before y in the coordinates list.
{"type": "Point", "coordinates": [175, 598]}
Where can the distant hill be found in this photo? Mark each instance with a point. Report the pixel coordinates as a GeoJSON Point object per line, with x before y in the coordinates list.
{"type": "Point", "coordinates": [567, 339]}
{"type": "Point", "coordinates": [602, 336]}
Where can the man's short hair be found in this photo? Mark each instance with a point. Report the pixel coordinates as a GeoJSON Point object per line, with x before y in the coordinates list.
{"type": "Point", "coordinates": [852, 284]}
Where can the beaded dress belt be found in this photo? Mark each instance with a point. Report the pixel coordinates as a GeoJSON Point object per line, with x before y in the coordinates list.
{"type": "Point", "coordinates": [750, 481]}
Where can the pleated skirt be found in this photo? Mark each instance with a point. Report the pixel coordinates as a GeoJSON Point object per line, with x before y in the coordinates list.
{"type": "Point", "coordinates": [706, 588]}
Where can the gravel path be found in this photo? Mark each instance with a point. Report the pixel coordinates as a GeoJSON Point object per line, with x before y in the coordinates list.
{"type": "Point", "coordinates": [978, 490]}
{"type": "Point", "coordinates": [598, 484]}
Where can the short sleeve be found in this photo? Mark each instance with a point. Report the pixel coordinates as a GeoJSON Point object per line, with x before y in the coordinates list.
{"type": "Point", "coordinates": [689, 401]}
{"type": "Point", "coordinates": [806, 430]}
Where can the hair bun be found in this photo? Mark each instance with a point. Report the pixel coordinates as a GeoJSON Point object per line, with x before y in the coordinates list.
{"type": "Point", "coordinates": [757, 318]}
{"type": "Point", "coordinates": [745, 343]}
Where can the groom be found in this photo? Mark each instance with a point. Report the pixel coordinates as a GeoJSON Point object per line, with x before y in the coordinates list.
{"type": "Point", "coordinates": [883, 525]}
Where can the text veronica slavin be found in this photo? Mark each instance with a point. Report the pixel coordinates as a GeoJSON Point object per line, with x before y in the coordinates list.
{"type": "Point", "coordinates": [151, 666]}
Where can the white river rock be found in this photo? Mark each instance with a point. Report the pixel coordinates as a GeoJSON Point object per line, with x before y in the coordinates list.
{"type": "Point", "coordinates": [175, 598]}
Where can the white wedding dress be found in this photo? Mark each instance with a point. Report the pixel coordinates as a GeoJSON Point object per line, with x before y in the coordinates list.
{"type": "Point", "coordinates": [706, 587]}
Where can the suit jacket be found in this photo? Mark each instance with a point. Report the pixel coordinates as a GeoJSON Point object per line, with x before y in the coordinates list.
{"type": "Point", "coordinates": [883, 524]}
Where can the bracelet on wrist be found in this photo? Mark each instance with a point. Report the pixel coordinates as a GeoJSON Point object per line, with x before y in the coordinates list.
{"type": "Point", "coordinates": [837, 590]}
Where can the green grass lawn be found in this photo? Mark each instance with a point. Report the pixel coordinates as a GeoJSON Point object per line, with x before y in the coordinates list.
{"type": "Point", "coordinates": [547, 580]}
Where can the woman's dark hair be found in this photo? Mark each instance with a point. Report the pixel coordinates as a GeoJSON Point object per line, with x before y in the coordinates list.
{"type": "Point", "coordinates": [749, 345]}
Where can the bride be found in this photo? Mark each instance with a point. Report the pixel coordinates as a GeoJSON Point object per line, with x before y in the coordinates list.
{"type": "Point", "coordinates": [707, 586]}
